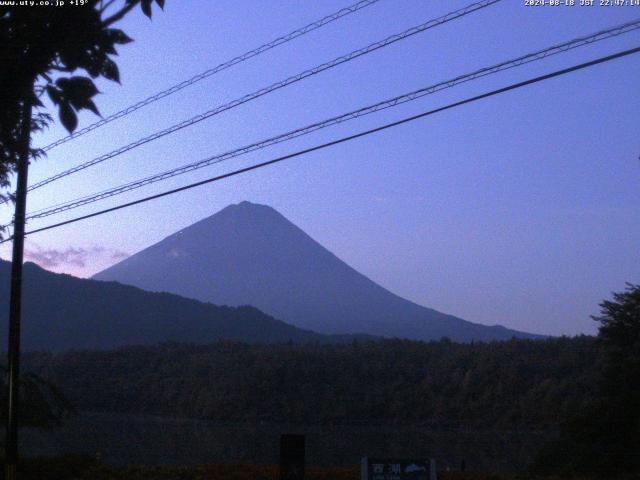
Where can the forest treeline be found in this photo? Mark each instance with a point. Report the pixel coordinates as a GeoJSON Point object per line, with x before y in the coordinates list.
{"type": "Point", "coordinates": [512, 384]}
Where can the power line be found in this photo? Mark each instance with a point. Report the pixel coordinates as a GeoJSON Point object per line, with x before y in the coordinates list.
{"type": "Point", "coordinates": [275, 86]}
{"type": "Point", "coordinates": [217, 69]}
{"type": "Point", "coordinates": [389, 103]}
{"type": "Point", "coordinates": [514, 86]}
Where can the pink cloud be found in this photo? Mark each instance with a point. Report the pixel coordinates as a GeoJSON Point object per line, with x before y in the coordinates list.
{"type": "Point", "coordinates": [71, 256]}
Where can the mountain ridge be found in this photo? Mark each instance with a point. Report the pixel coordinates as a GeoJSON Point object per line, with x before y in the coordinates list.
{"type": "Point", "coordinates": [61, 312]}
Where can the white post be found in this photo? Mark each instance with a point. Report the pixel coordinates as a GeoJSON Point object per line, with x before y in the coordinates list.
{"type": "Point", "coordinates": [364, 468]}
{"type": "Point", "coordinates": [433, 475]}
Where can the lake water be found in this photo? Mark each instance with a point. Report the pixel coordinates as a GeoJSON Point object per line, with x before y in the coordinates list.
{"type": "Point", "coordinates": [148, 440]}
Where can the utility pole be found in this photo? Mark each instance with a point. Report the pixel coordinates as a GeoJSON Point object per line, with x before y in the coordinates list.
{"type": "Point", "coordinates": [15, 300]}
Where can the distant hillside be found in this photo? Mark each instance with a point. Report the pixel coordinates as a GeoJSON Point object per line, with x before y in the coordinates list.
{"type": "Point", "coordinates": [518, 383]}
{"type": "Point", "coordinates": [249, 254]}
{"type": "Point", "coordinates": [62, 312]}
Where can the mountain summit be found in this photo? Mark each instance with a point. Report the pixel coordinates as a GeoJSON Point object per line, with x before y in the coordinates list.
{"type": "Point", "coordinates": [249, 254]}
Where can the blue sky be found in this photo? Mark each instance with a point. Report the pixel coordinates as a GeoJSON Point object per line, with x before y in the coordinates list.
{"type": "Point", "coordinates": [520, 210]}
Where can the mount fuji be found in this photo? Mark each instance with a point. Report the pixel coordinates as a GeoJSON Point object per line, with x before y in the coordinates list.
{"type": "Point", "coordinates": [249, 254]}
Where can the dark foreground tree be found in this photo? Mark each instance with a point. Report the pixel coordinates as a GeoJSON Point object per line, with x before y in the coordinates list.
{"type": "Point", "coordinates": [605, 438]}
{"type": "Point", "coordinates": [51, 50]}
{"type": "Point", "coordinates": [42, 50]}
{"type": "Point", "coordinates": [620, 384]}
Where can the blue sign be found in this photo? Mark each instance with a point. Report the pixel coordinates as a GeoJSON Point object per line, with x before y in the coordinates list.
{"type": "Point", "coordinates": [397, 469]}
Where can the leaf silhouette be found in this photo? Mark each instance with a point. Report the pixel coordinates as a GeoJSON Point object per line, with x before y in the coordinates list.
{"type": "Point", "coordinates": [68, 117]}
{"type": "Point", "coordinates": [110, 71]}
{"type": "Point", "coordinates": [146, 7]}
{"type": "Point", "coordinates": [54, 94]}
{"type": "Point", "coordinates": [118, 36]}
